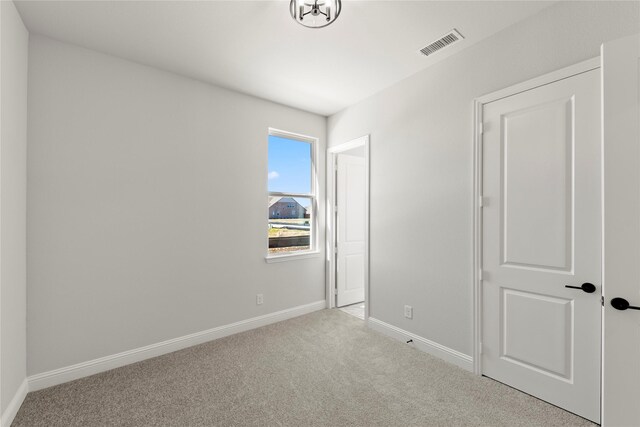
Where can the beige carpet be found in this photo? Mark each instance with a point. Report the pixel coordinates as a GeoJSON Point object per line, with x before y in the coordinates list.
{"type": "Point", "coordinates": [323, 369]}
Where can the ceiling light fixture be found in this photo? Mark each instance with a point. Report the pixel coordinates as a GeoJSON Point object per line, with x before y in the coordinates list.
{"type": "Point", "coordinates": [315, 13]}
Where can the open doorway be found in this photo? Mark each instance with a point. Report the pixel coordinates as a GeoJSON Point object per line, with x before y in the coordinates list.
{"type": "Point", "coordinates": [348, 227]}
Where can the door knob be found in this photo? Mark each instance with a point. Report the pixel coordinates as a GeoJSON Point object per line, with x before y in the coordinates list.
{"type": "Point", "coordinates": [622, 304]}
{"type": "Point", "coordinates": [587, 287]}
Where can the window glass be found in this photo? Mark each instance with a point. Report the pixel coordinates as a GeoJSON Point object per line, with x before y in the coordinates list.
{"type": "Point", "coordinates": [289, 165]}
{"type": "Point", "coordinates": [292, 202]}
{"type": "Point", "coordinates": [289, 224]}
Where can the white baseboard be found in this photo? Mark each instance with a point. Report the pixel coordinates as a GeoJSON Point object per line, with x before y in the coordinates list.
{"type": "Point", "coordinates": [452, 356]}
{"type": "Point", "coordinates": [12, 410]}
{"type": "Point", "coordinates": [91, 367]}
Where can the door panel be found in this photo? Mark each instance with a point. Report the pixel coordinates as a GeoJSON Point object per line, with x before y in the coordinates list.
{"type": "Point", "coordinates": [351, 198]}
{"type": "Point", "coordinates": [353, 266]}
{"type": "Point", "coordinates": [621, 147]}
{"type": "Point", "coordinates": [544, 346]}
{"type": "Point", "coordinates": [538, 142]}
{"type": "Point", "coordinates": [541, 232]}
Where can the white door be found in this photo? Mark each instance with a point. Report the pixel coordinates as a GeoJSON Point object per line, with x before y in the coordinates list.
{"type": "Point", "coordinates": [542, 242]}
{"type": "Point", "coordinates": [351, 205]}
{"type": "Point", "coordinates": [621, 142]}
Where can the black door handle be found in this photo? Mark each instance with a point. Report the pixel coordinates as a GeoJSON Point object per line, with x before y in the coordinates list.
{"type": "Point", "coordinates": [587, 287]}
{"type": "Point", "coordinates": [622, 304]}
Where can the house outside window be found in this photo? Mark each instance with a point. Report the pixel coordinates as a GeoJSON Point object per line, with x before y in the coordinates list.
{"type": "Point", "coordinates": [292, 202]}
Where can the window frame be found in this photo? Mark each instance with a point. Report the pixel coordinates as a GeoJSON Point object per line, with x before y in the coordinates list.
{"type": "Point", "coordinates": [313, 250]}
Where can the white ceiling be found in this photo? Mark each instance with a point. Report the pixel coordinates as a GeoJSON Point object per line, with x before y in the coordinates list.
{"type": "Point", "coordinates": [256, 48]}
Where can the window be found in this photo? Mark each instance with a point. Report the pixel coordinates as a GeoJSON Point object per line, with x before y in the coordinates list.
{"type": "Point", "coordinates": [292, 194]}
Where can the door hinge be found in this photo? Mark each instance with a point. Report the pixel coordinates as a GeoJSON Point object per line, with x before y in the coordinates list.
{"type": "Point", "coordinates": [480, 275]}
{"type": "Point", "coordinates": [480, 347]}
{"type": "Point", "coordinates": [481, 128]}
{"type": "Point", "coordinates": [481, 201]}
{"type": "Point", "coordinates": [335, 291]}
{"type": "Point", "coordinates": [602, 300]}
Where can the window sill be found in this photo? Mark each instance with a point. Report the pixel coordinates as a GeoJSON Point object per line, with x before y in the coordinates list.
{"type": "Point", "coordinates": [292, 257]}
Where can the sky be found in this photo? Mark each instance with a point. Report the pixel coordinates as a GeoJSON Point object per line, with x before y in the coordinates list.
{"type": "Point", "coordinates": [289, 166]}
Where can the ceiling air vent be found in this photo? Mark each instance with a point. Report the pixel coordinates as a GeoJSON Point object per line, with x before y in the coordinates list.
{"type": "Point", "coordinates": [448, 39]}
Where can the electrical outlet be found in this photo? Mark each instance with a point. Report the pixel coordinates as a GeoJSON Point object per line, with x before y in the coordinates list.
{"type": "Point", "coordinates": [408, 312]}
{"type": "Point", "coordinates": [259, 299]}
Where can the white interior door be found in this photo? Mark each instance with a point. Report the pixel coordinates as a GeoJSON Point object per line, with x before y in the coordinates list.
{"type": "Point", "coordinates": [541, 233]}
{"type": "Point", "coordinates": [621, 142]}
{"type": "Point", "coordinates": [351, 205]}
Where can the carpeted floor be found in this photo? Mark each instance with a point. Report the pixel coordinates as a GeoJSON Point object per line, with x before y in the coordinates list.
{"type": "Point", "coordinates": [323, 369]}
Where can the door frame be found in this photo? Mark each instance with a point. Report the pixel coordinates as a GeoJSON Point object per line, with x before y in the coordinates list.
{"type": "Point", "coordinates": [620, 245]}
{"type": "Point", "coordinates": [331, 238]}
{"type": "Point", "coordinates": [477, 202]}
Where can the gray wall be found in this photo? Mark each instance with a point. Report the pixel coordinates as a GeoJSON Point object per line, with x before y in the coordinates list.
{"type": "Point", "coordinates": [421, 156]}
{"type": "Point", "coordinates": [13, 186]}
{"type": "Point", "coordinates": [132, 174]}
